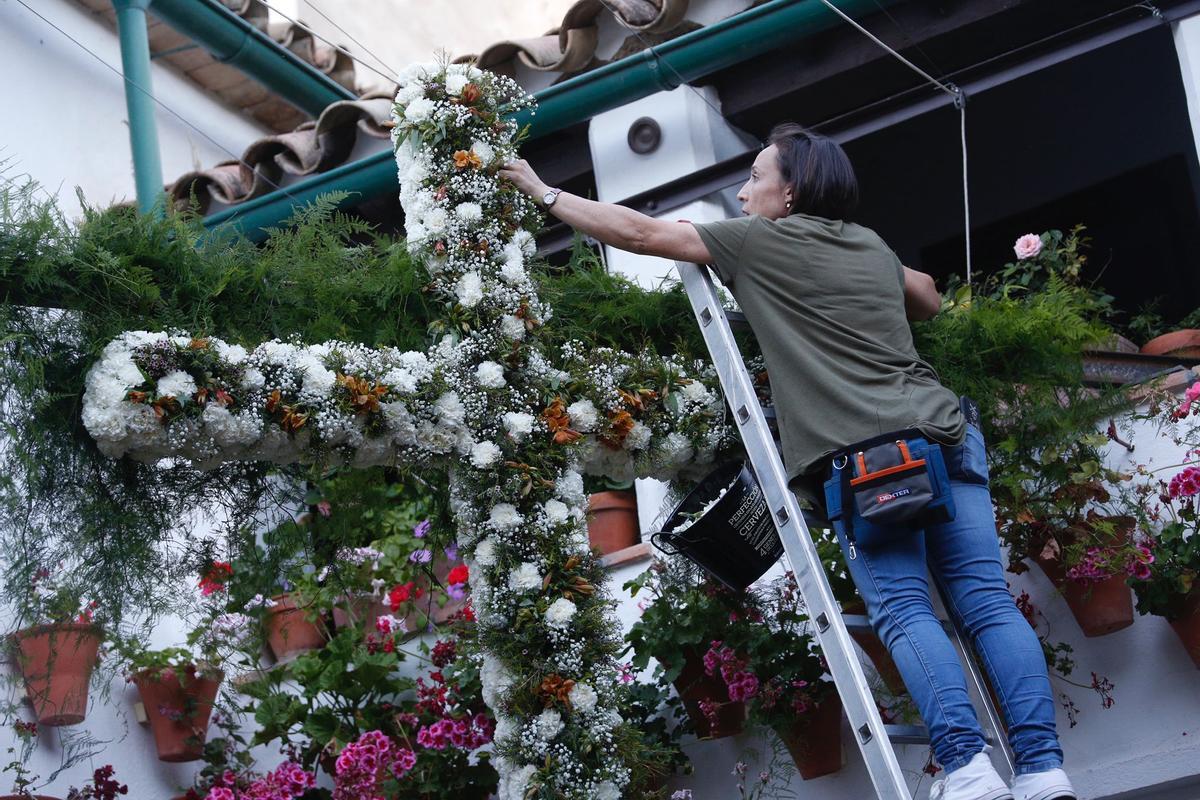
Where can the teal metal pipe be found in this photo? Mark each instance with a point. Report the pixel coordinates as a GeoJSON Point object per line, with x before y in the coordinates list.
{"type": "Point", "coordinates": [139, 100]}
{"type": "Point", "coordinates": [685, 58]}
{"type": "Point", "coordinates": [236, 42]}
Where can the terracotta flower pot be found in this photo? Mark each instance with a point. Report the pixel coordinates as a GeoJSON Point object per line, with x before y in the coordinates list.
{"type": "Point", "coordinates": [814, 739]}
{"type": "Point", "coordinates": [613, 521]}
{"type": "Point", "coordinates": [56, 662]}
{"type": "Point", "coordinates": [178, 711]}
{"type": "Point", "coordinates": [1184, 343]}
{"type": "Point", "coordinates": [289, 629]}
{"type": "Point", "coordinates": [1100, 607]}
{"type": "Point", "coordinates": [875, 649]}
{"type": "Point", "coordinates": [693, 686]}
{"type": "Point", "coordinates": [1187, 627]}
{"type": "Point", "coordinates": [360, 610]}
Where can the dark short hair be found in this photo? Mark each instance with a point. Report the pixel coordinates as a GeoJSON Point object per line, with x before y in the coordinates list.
{"type": "Point", "coordinates": [818, 170]}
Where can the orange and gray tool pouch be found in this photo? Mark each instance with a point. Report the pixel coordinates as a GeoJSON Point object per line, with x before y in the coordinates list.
{"type": "Point", "coordinates": [887, 487]}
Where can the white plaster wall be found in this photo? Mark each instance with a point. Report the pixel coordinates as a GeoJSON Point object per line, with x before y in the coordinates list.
{"type": "Point", "coordinates": [65, 122]}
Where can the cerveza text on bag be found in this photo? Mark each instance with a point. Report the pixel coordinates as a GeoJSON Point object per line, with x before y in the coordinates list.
{"type": "Point", "coordinates": [749, 522]}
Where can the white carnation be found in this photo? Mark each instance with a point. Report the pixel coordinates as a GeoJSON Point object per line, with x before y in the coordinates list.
{"type": "Point", "coordinates": [583, 415]}
{"type": "Point", "coordinates": [490, 375]}
{"type": "Point", "coordinates": [177, 384]}
{"type": "Point", "coordinates": [469, 289]}
{"type": "Point", "coordinates": [526, 241]}
{"type": "Point", "coordinates": [559, 614]}
{"type": "Point", "coordinates": [231, 353]}
{"type": "Point", "coordinates": [696, 392]}
{"type": "Point", "coordinates": [400, 380]}
{"type": "Point", "coordinates": [515, 785]}
{"type": "Point", "coordinates": [525, 578]}
{"type": "Point", "coordinates": [455, 84]}
{"type": "Point", "coordinates": [570, 487]}
{"type": "Point", "coordinates": [484, 454]}
{"type": "Point", "coordinates": [517, 424]}
{"type": "Point", "coordinates": [607, 790]}
{"type": "Point", "coordinates": [548, 724]}
{"type": "Point", "coordinates": [504, 516]}
{"type": "Point", "coordinates": [638, 438]}
{"type": "Point", "coordinates": [435, 220]}
{"type": "Point", "coordinates": [512, 327]}
{"type": "Point", "coordinates": [484, 151]}
{"type": "Point", "coordinates": [418, 110]}
{"type": "Point", "coordinates": [450, 408]}
{"type": "Point", "coordinates": [485, 552]}
{"type": "Point", "coordinates": [469, 212]}
{"type": "Point", "coordinates": [556, 511]}
{"type": "Point", "coordinates": [582, 697]}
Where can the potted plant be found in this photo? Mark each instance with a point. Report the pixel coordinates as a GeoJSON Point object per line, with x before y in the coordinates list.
{"type": "Point", "coordinates": [1183, 341]}
{"type": "Point", "coordinates": [1165, 502]}
{"type": "Point", "coordinates": [612, 516]}
{"type": "Point", "coordinates": [685, 614]}
{"type": "Point", "coordinates": [772, 661]}
{"type": "Point", "coordinates": [57, 653]}
{"type": "Point", "coordinates": [178, 691]}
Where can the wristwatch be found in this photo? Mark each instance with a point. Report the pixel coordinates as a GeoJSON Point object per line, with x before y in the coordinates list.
{"type": "Point", "coordinates": [550, 196]}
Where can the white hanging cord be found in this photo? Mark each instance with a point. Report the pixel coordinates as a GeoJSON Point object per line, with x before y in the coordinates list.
{"type": "Point", "coordinates": [962, 114]}
{"type": "Point", "coordinates": [170, 110]}
{"type": "Point", "coordinates": [348, 35]}
{"type": "Point", "coordinates": [392, 78]}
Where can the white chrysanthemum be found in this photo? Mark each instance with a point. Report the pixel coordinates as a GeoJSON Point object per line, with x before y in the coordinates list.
{"type": "Point", "coordinates": [638, 438]}
{"type": "Point", "coordinates": [570, 487]}
{"type": "Point", "coordinates": [485, 552]}
{"type": "Point", "coordinates": [512, 327]}
{"type": "Point", "coordinates": [548, 724]}
{"type": "Point", "coordinates": [177, 384]}
{"type": "Point", "coordinates": [490, 375]}
{"type": "Point", "coordinates": [583, 697]}
{"type": "Point", "coordinates": [469, 212]}
{"type": "Point", "coordinates": [583, 415]}
{"type": "Point", "coordinates": [517, 424]}
{"type": "Point", "coordinates": [455, 83]}
{"type": "Point", "coordinates": [418, 110]}
{"type": "Point", "coordinates": [504, 516]}
{"type": "Point", "coordinates": [484, 454]}
{"type": "Point", "coordinates": [525, 578]}
{"type": "Point", "coordinates": [556, 511]}
{"type": "Point", "coordinates": [560, 612]}
{"type": "Point", "coordinates": [469, 289]}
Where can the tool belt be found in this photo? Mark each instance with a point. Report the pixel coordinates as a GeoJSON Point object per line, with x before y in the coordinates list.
{"type": "Point", "coordinates": [890, 486]}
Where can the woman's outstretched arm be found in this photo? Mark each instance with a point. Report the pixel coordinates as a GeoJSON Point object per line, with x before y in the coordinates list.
{"type": "Point", "coordinates": [614, 225]}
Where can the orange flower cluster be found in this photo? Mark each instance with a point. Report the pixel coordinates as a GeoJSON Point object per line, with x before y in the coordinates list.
{"type": "Point", "coordinates": [559, 421]}
{"type": "Point", "coordinates": [470, 94]}
{"type": "Point", "coordinates": [289, 417]}
{"type": "Point", "coordinates": [556, 687]}
{"type": "Point", "coordinates": [467, 158]}
{"type": "Point", "coordinates": [364, 398]}
{"type": "Point", "coordinates": [621, 422]}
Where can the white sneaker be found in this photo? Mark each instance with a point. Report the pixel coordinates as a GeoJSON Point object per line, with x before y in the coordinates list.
{"type": "Point", "coordinates": [975, 780]}
{"type": "Point", "coordinates": [1049, 785]}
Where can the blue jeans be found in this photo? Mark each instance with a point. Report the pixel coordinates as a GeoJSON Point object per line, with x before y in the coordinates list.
{"type": "Point", "coordinates": [964, 558]}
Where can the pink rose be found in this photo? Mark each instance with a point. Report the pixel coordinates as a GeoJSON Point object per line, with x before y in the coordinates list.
{"type": "Point", "coordinates": [1028, 246]}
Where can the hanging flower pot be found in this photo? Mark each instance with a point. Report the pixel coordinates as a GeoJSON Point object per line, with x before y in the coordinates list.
{"type": "Point", "coordinates": [56, 662]}
{"type": "Point", "coordinates": [178, 709]}
{"type": "Point", "coordinates": [1100, 607]}
{"type": "Point", "coordinates": [706, 698]}
{"type": "Point", "coordinates": [1183, 343]}
{"type": "Point", "coordinates": [814, 739]}
{"type": "Point", "coordinates": [1187, 627]}
{"type": "Point", "coordinates": [875, 649]}
{"type": "Point", "coordinates": [613, 520]}
{"type": "Point", "coordinates": [292, 629]}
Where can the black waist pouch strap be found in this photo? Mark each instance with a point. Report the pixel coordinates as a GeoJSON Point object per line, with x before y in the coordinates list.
{"type": "Point", "coordinates": [888, 487]}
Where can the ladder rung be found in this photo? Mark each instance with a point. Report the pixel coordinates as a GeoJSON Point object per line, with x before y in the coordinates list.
{"type": "Point", "coordinates": [736, 319]}
{"type": "Point", "coordinates": [859, 622]}
{"type": "Point", "coordinates": [907, 734]}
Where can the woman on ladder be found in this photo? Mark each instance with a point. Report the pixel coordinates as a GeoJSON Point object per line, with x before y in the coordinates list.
{"type": "Point", "coordinates": [830, 303]}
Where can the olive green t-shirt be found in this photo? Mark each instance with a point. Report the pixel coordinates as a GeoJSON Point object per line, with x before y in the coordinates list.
{"type": "Point", "coordinates": [825, 299]}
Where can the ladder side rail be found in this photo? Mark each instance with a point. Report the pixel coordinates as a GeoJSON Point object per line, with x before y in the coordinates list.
{"type": "Point", "coordinates": [831, 632]}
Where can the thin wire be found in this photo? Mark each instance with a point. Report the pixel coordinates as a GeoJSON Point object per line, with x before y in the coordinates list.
{"type": "Point", "coordinates": [172, 111]}
{"type": "Point", "coordinates": [962, 113]}
{"type": "Point", "coordinates": [915, 45]}
{"type": "Point", "coordinates": [390, 78]}
{"type": "Point", "coordinates": [349, 35]}
{"type": "Point", "coordinates": [948, 89]}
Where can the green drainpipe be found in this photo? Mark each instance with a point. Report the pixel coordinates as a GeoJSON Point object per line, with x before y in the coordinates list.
{"type": "Point", "coordinates": [236, 42]}
{"type": "Point", "coordinates": [685, 58]}
{"type": "Point", "coordinates": [139, 99]}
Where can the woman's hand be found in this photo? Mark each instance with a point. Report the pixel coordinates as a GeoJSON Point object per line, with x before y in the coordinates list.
{"type": "Point", "coordinates": [521, 175]}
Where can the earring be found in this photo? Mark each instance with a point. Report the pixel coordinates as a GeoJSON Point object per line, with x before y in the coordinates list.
{"type": "Point", "coordinates": [788, 204]}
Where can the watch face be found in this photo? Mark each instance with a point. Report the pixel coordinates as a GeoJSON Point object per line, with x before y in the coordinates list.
{"type": "Point", "coordinates": [549, 197]}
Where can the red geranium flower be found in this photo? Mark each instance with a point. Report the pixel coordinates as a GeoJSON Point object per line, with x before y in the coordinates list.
{"type": "Point", "coordinates": [458, 575]}
{"type": "Point", "coordinates": [214, 579]}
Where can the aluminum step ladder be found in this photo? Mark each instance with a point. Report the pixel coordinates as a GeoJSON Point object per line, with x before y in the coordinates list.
{"type": "Point", "coordinates": [875, 739]}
